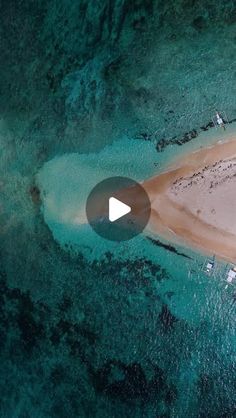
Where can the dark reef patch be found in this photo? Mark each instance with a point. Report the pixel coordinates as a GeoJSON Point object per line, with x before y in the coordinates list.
{"type": "Point", "coordinates": [30, 326]}
{"type": "Point", "coordinates": [18, 312]}
{"type": "Point", "coordinates": [133, 383]}
{"type": "Point", "coordinates": [162, 143]}
{"type": "Point", "coordinates": [167, 318]}
{"type": "Point", "coordinates": [37, 333]}
{"type": "Point", "coordinates": [168, 247]}
{"type": "Point", "coordinates": [132, 274]}
{"type": "Point", "coordinates": [199, 23]}
{"type": "Point", "coordinates": [187, 137]}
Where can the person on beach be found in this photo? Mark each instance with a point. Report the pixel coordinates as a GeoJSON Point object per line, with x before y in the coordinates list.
{"type": "Point", "coordinates": [220, 121]}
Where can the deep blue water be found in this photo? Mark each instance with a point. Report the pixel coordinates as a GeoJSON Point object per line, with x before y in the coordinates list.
{"type": "Point", "coordinates": [92, 328]}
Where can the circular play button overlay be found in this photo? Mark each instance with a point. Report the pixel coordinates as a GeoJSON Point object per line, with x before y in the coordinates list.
{"type": "Point", "coordinates": [118, 208]}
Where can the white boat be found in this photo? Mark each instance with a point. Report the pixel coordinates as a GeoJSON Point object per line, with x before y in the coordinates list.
{"type": "Point", "coordinates": [231, 275]}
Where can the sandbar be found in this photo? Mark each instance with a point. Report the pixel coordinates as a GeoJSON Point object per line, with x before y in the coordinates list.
{"type": "Point", "coordinates": [194, 202]}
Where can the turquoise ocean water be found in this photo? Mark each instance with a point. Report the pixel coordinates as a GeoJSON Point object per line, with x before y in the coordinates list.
{"type": "Point", "coordinates": [92, 328]}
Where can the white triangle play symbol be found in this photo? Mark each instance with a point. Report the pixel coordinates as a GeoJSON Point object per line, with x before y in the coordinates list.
{"type": "Point", "coordinates": [117, 209]}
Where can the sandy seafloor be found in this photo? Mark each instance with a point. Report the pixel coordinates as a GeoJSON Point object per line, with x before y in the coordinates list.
{"type": "Point", "coordinates": [91, 328]}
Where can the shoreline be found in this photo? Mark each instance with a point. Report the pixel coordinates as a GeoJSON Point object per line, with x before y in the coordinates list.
{"type": "Point", "coordinates": [193, 202]}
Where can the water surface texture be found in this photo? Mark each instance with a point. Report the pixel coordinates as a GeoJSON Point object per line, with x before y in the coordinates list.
{"type": "Point", "coordinates": [92, 328]}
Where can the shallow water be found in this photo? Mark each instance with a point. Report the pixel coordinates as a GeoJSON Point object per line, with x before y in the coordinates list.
{"type": "Point", "coordinates": [91, 328]}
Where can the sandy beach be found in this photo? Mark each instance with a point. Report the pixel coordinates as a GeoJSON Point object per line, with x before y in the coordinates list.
{"type": "Point", "coordinates": [194, 202]}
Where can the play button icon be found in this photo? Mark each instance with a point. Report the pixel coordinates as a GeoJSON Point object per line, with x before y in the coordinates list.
{"type": "Point", "coordinates": [118, 208]}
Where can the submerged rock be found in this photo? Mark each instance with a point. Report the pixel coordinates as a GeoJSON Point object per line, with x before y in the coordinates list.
{"type": "Point", "coordinates": [35, 195]}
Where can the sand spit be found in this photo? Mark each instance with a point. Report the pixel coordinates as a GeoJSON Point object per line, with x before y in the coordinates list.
{"type": "Point", "coordinates": [194, 203]}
